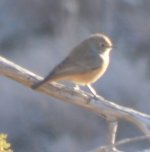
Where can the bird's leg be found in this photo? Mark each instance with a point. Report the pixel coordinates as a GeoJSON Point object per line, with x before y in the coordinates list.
{"type": "Point", "coordinates": [92, 90]}
{"type": "Point", "coordinates": [77, 87]}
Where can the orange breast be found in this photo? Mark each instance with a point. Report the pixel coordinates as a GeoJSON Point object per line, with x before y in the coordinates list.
{"type": "Point", "coordinates": [88, 77]}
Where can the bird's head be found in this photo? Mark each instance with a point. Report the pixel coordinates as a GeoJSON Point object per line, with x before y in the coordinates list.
{"type": "Point", "coordinates": [99, 42]}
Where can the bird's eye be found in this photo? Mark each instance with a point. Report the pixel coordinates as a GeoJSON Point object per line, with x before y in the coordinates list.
{"type": "Point", "coordinates": [102, 45]}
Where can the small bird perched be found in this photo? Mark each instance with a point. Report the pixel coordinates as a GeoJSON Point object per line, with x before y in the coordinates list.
{"type": "Point", "coordinates": [86, 63]}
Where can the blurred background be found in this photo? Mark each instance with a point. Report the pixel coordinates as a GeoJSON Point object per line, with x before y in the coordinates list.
{"type": "Point", "coordinates": [37, 35]}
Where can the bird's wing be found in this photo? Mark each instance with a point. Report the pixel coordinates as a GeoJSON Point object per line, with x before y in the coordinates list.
{"type": "Point", "coordinates": [81, 60]}
{"type": "Point", "coordinates": [78, 63]}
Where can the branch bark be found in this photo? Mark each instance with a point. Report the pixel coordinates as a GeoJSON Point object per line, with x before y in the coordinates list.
{"type": "Point", "coordinates": [122, 142]}
{"type": "Point", "coordinates": [100, 106]}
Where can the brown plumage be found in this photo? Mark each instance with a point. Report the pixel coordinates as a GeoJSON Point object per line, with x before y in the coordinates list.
{"type": "Point", "coordinates": [85, 64]}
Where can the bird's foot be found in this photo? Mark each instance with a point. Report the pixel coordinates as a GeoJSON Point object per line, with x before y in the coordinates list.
{"type": "Point", "coordinates": [77, 88]}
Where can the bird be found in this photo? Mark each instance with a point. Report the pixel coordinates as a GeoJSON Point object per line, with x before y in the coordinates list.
{"type": "Point", "coordinates": [84, 65]}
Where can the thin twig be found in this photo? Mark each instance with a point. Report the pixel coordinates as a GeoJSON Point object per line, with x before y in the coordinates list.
{"type": "Point", "coordinates": [121, 142]}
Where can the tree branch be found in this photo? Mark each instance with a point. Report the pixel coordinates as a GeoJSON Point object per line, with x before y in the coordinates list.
{"type": "Point", "coordinates": [121, 142]}
{"type": "Point", "coordinates": [99, 105]}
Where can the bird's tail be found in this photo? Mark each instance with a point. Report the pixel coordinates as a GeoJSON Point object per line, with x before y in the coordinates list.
{"type": "Point", "coordinates": [46, 79]}
{"type": "Point", "coordinates": [38, 84]}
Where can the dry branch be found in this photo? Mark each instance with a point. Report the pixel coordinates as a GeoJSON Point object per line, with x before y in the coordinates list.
{"type": "Point", "coordinates": [121, 142]}
{"type": "Point", "coordinates": [99, 105]}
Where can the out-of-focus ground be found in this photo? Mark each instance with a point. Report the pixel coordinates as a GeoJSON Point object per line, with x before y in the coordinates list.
{"type": "Point", "coordinates": [38, 34]}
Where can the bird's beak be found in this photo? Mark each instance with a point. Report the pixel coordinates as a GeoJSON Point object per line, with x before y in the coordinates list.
{"type": "Point", "coordinates": [112, 47]}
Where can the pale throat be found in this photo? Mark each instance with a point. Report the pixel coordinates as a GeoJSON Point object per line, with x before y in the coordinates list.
{"type": "Point", "coordinates": [105, 55]}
